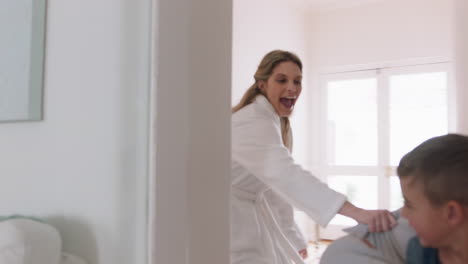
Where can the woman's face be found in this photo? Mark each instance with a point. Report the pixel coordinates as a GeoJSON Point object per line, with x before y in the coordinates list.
{"type": "Point", "coordinates": [283, 87]}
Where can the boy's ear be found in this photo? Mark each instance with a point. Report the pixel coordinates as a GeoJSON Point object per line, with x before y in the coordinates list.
{"type": "Point", "coordinates": [455, 213]}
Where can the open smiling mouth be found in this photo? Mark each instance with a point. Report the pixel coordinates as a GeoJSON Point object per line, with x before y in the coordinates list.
{"type": "Point", "coordinates": [288, 102]}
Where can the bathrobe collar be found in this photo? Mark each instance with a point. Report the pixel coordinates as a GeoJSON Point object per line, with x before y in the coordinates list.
{"type": "Point", "coordinates": [265, 106]}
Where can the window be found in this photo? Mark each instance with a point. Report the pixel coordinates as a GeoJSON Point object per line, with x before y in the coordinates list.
{"type": "Point", "coordinates": [370, 120]}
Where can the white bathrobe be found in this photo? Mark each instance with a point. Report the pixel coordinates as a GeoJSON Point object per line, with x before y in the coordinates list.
{"type": "Point", "coordinates": [265, 183]}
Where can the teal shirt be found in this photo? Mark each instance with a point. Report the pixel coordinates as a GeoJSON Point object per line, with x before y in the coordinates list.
{"type": "Point", "coordinates": [417, 254]}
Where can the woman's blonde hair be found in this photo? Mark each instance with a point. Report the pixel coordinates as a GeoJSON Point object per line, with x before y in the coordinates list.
{"type": "Point", "coordinates": [264, 71]}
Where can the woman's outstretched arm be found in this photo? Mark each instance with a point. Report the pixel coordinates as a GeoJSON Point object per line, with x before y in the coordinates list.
{"type": "Point", "coordinates": [377, 220]}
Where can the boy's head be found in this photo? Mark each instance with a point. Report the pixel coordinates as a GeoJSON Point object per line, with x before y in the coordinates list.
{"type": "Point", "coordinates": [434, 182]}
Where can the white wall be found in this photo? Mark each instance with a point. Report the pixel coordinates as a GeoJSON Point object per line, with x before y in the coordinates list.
{"type": "Point", "coordinates": [461, 59]}
{"type": "Point", "coordinates": [83, 167]}
{"type": "Point", "coordinates": [190, 209]}
{"type": "Point", "coordinates": [381, 31]}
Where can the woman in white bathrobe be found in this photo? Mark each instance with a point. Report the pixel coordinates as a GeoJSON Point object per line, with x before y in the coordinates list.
{"type": "Point", "coordinates": [265, 180]}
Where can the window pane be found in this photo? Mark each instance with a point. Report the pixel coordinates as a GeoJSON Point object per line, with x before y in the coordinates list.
{"type": "Point", "coordinates": [360, 190]}
{"type": "Point", "coordinates": [418, 111]}
{"type": "Point", "coordinates": [352, 122]}
{"type": "Point", "coordinates": [396, 198]}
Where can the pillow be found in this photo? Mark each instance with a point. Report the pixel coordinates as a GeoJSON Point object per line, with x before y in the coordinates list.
{"type": "Point", "coordinates": [26, 241]}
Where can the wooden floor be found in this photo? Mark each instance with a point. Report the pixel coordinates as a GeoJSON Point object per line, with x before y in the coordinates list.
{"type": "Point", "coordinates": [316, 250]}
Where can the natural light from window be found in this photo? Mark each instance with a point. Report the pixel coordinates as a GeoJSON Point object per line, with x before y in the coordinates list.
{"type": "Point", "coordinates": [418, 111]}
{"type": "Point", "coordinates": [373, 118]}
{"type": "Point", "coordinates": [352, 122]}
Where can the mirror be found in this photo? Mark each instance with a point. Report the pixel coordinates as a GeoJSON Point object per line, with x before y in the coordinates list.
{"type": "Point", "coordinates": [22, 35]}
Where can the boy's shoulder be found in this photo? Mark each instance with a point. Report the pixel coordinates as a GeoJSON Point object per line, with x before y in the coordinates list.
{"type": "Point", "coordinates": [417, 254]}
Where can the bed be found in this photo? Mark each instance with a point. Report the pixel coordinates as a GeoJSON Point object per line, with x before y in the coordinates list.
{"type": "Point", "coordinates": [29, 241]}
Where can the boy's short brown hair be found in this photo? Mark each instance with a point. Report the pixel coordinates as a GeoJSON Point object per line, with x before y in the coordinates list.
{"type": "Point", "coordinates": [440, 164]}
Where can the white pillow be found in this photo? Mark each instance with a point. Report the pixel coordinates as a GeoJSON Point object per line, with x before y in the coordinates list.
{"type": "Point", "coordinates": [25, 241]}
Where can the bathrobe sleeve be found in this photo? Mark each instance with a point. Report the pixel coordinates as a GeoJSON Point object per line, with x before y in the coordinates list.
{"type": "Point", "coordinates": [257, 146]}
{"type": "Point", "coordinates": [284, 214]}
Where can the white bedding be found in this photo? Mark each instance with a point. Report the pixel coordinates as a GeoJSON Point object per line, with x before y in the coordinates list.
{"type": "Point", "coordinates": [70, 259]}
{"type": "Point", "coordinates": [25, 241]}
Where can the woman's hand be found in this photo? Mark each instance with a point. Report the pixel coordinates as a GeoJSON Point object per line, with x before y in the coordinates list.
{"type": "Point", "coordinates": [377, 220]}
{"type": "Point", "coordinates": [303, 253]}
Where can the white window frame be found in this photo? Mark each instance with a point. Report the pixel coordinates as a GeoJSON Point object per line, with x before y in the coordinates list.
{"type": "Point", "coordinates": [383, 170]}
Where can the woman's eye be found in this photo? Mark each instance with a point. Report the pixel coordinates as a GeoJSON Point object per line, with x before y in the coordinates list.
{"type": "Point", "coordinates": [282, 81]}
{"type": "Point", "coordinates": [297, 82]}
